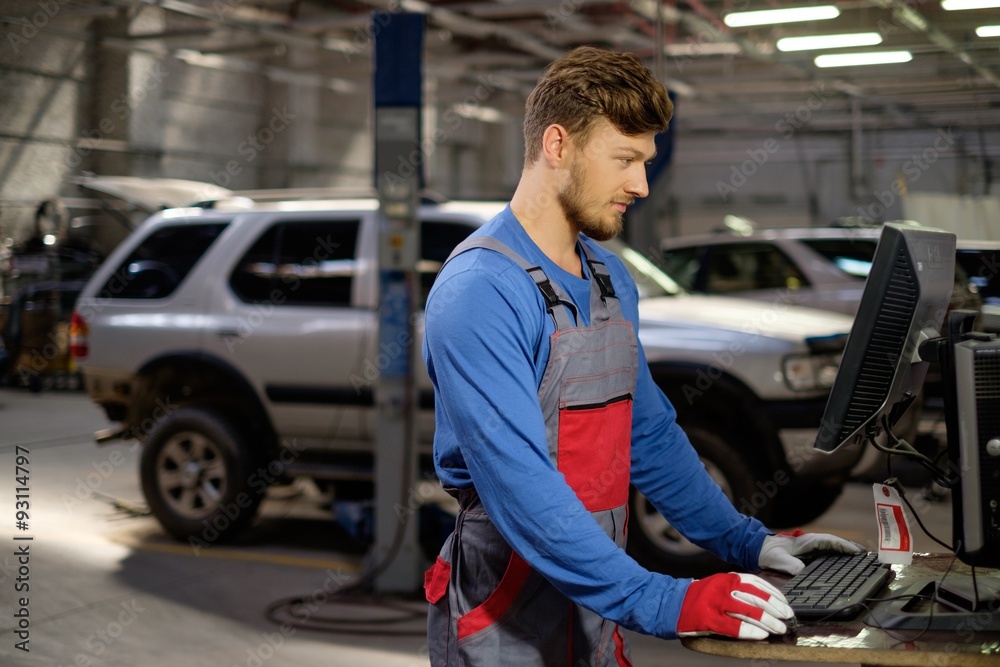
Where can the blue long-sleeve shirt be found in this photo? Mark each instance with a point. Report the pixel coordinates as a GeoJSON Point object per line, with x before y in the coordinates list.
{"type": "Point", "coordinates": [486, 345]}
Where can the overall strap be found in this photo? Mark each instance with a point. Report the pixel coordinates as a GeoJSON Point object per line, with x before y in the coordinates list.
{"type": "Point", "coordinates": [559, 305]}
{"type": "Point", "coordinates": [604, 304]}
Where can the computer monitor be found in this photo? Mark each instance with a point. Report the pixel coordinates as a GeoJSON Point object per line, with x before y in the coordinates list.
{"type": "Point", "coordinates": [896, 335]}
{"type": "Point", "coordinates": [903, 304]}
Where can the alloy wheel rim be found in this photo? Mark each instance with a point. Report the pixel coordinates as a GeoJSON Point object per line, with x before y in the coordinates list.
{"type": "Point", "coordinates": [191, 474]}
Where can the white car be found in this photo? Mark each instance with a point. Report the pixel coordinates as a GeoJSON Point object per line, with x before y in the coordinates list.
{"type": "Point", "coordinates": [240, 347]}
{"type": "Point", "coordinates": [820, 267]}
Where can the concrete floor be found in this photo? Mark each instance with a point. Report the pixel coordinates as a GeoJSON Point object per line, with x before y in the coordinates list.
{"type": "Point", "coordinates": [108, 588]}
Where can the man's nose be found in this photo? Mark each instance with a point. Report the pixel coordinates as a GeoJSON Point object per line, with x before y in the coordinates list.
{"type": "Point", "coordinates": [637, 186]}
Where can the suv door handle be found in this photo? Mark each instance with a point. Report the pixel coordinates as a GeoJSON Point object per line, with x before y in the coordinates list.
{"type": "Point", "coordinates": [227, 333]}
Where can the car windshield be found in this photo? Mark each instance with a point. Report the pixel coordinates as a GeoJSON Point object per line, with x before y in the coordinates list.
{"type": "Point", "coordinates": [649, 278]}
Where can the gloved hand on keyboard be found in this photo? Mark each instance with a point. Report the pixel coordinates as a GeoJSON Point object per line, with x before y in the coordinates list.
{"type": "Point", "coordinates": [779, 551]}
{"type": "Point", "coordinates": [743, 606]}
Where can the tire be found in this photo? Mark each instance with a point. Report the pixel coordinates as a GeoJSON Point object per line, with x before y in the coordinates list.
{"type": "Point", "coordinates": [658, 546]}
{"type": "Point", "coordinates": [198, 475]}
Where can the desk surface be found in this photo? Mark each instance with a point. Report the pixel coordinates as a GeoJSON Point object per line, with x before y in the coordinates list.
{"type": "Point", "coordinates": [855, 642]}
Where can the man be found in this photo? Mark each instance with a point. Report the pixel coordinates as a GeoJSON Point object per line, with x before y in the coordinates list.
{"type": "Point", "coordinates": [546, 410]}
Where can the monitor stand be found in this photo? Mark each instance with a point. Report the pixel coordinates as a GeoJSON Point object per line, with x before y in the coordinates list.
{"type": "Point", "coordinates": [953, 609]}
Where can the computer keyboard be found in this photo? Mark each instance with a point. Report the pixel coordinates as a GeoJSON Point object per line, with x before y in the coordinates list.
{"type": "Point", "coordinates": [831, 587]}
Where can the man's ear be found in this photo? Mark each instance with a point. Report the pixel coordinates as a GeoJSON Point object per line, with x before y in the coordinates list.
{"type": "Point", "coordinates": [555, 145]}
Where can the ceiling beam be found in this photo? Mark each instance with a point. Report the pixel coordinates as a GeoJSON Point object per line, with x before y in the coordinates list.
{"type": "Point", "coordinates": [916, 22]}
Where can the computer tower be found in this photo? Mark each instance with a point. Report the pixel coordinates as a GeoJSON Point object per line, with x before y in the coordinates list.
{"type": "Point", "coordinates": [975, 453]}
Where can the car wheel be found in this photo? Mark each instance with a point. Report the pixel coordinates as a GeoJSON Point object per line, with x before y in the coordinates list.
{"type": "Point", "coordinates": [660, 547]}
{"type": "Point", "coordinates": [197, 471]}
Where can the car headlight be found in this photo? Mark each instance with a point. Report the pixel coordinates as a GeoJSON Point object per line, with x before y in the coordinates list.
{"type": "Point", "coordinates": [808, 372]}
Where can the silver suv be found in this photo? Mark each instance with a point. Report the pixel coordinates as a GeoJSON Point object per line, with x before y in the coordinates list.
{"type": "Point", "coordinates": [240, 347]}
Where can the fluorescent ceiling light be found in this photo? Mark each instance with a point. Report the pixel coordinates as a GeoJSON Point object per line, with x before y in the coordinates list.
{"type": "Point", "coordinates": [792, 15]}
{"type": "Point", "coordinates": [813, 42]}
{"type": "Point", "coordinates": [695, 49]}
{"type": "Point", "coordinates": [988, 31]}
{"type": "Point", "coordinates": [869, 58]}
{"type": "Point", "coordinates": [956, 5]}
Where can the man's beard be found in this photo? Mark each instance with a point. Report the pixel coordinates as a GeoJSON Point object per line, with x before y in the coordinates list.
{"type": "Point", "coordinates": [573, 199]}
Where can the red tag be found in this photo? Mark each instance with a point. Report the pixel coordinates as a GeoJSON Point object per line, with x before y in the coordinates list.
{"type": "Point", "coordinates": [894, 544]}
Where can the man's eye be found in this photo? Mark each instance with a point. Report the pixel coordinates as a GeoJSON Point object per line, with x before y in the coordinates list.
{"type": "Point", "coordinates": [627, 160]}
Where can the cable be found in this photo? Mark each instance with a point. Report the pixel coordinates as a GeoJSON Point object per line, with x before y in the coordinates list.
{"type": "Point", "coordinates": [902, 448]}
{"type": "Point", "coordinates": [930, 616]}
{"type": "Point", "coordinates": [894, 483]}
{"type": "Point", "coordinates": [975, 589]}
{"type": "Point", "coordinates": [301, 612]}
{"type": "Point", "coordinates": [861, 603]}
{"type": "Point", "coordinates": [906, 450]}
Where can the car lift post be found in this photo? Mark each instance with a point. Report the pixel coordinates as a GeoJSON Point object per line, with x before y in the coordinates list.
{"type": "Point", "coordinates": [398, 179]}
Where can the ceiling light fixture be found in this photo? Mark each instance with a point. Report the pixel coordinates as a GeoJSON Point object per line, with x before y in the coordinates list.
{"type": "Point", "coordinates": [857, 59]}
{"type": "Point", "coordinates": [813, 42]}
{"type": "Point", "coordinates": [988, 31]}
{"type": "Point", "coordinates": [791, 15]}
{"type": "Point", "coordinates": [958, 5]}
{"type": "Point", "coordinates": [702, 49]}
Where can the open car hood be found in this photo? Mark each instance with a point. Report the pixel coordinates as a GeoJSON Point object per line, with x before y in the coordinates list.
{"type": "Point", "coordinates": [153, 194]}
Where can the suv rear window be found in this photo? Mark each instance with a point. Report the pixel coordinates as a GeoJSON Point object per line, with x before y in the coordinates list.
{"type": "Point", "coordinates": [300, 263]}
{"type": "Point", "coordinates": [161, 262]}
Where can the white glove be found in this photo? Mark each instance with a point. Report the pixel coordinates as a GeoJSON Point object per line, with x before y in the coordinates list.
{"type": "Point", "coordinates": [732, 604]}
{"type": "Point", "coordinates": [779, 551]}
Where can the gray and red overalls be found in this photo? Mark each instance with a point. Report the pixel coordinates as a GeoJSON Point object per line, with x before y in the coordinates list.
{"type": "Point", "coordinates": [488, 606]}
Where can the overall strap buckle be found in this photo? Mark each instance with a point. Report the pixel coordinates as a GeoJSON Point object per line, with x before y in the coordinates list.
{"type": "Point", "coordinates": [558, 308]}
{"type": "Point", "coordinates": [603, 278]}
{"type": "Point", "coordinates": [548, 293]}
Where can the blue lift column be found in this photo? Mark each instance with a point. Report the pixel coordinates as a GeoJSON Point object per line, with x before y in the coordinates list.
{"type": "Point", "coordinates": [398, 178]}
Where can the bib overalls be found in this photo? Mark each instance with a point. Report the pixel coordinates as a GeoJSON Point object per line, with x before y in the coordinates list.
{"type": "Point", "coordinates": [488, 606]}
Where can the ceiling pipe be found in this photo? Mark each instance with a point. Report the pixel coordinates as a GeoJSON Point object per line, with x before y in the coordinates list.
{"type": "Point", "coordinates": [464, 25]}
{"type": "Point", "coordinates": [267, 25]}
{"type": "Point", "coordinates": [919, 24]}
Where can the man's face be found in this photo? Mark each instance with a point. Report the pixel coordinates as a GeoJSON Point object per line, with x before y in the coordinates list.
{"type": "Point", "coordinates": [606, 175]}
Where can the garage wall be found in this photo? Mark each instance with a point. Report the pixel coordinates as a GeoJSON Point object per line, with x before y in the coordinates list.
{"type": "Point", "coordinates": [82, 93]}
{"type": "Point", "coordinates": [43, 77]}
{"type": "Point", "coordinates": [110, 103]}
{"type": "Point", "coordinates": [812, 179]}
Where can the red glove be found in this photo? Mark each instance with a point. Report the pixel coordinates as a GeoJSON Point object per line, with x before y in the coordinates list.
{"type": "Point", "coordinates": [735, 605]}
